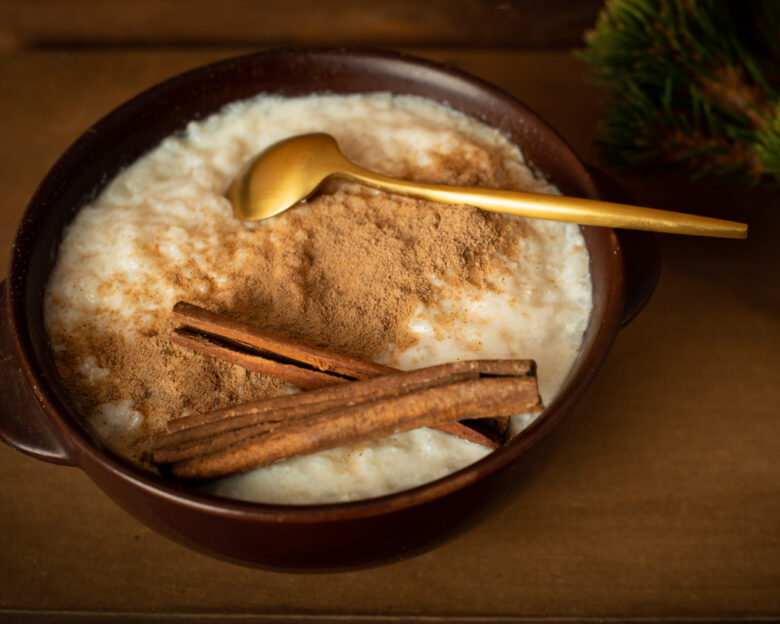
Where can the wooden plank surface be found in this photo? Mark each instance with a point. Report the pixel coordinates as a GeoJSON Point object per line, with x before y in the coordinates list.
{"type": "Point", "coordinates": [662, 501]}
{"type": "Point", "coordinates": [519, 24]}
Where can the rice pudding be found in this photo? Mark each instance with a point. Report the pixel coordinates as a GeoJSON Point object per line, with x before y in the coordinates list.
{"type": "Point", "coordinates": [401, 281]}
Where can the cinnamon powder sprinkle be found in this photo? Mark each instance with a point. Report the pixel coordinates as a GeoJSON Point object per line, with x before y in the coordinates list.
{"type": "Point", "coordinates": [344, 271]}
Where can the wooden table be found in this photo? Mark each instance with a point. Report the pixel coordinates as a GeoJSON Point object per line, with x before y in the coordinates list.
{"type": "Point", "coordinates": [661, 502]}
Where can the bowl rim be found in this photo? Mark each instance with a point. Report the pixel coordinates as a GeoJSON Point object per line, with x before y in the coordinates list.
{"type": "Point", "coordinates": [88, 452]}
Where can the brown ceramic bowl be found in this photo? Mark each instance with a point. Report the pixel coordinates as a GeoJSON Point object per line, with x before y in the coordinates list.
{"type": "Point", "coordinates": [36, 419]}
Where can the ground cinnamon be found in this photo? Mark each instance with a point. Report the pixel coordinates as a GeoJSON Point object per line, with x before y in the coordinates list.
{"type": "Point", "coordinates": [344, 272]}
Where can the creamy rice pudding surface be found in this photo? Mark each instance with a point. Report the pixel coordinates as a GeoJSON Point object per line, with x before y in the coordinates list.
{"type": "Point", "coordinates": [401, 281]}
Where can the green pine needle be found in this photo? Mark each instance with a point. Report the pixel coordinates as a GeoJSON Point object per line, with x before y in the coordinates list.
{"type": "Point", "coordinates": [692, 83]}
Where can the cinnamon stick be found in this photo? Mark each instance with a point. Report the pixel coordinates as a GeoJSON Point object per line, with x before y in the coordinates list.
{"type": "Point", "coordinates": [305, 366]}
{"type": "Point", "coordinates": [304, 378]}
{"type": "Point", "coordinates": [278, 346]}
{"type": "Point", "coordinates": [235, 424]}
{"type": "Point", "coordinates": [473, 398]}
{"type": "Point", "coordinates": [291, 406]}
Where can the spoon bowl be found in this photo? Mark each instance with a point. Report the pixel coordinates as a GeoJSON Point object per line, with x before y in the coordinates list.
{"type": "Point", "coordinates": [291, 170]}
{"type": "Point", "coordinates": [284, 174]}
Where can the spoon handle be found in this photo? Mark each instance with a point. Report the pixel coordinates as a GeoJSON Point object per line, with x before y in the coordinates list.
{"type": "Point", "coordinates": [556, 207]}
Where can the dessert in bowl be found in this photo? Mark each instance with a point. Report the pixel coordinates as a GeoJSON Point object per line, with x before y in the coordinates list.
{"type": "Point", "coordinates": [403, 282]}
{"type": "Point", "coordinates": [386, 278]}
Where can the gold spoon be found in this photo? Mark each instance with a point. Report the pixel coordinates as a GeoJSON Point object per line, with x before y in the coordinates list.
{"type": "Point", "coordinates": [291, 170]}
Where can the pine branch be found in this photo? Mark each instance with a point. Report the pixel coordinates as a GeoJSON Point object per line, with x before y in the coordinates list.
{"type": "Point", "coordinates": [692, 83]}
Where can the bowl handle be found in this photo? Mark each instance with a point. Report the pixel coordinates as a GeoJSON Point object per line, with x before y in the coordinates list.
{"type": "Point", "coordinates": [23, 423]}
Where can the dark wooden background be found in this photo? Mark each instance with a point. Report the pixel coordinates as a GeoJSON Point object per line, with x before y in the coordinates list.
{"type": "Point", "coordinates": [662, 502]}
{"type": "Point", "coordinates": [497, 24]}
